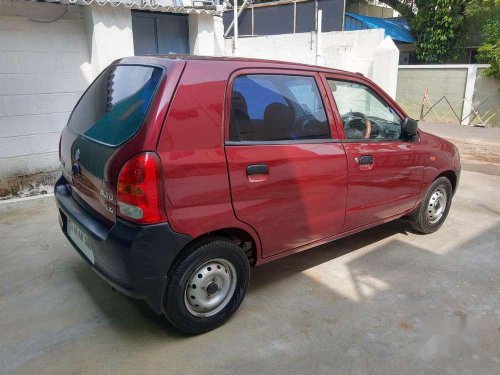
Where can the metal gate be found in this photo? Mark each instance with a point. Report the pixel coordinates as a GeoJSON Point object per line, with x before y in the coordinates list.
{"type": "Point", "coordinates": [160, 33]}
{"type": "Point", "coordinates": [478, 114]}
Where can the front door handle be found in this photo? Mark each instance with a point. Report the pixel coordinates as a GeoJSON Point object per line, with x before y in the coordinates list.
{"type": "Point", "coordinates": [257, 169]}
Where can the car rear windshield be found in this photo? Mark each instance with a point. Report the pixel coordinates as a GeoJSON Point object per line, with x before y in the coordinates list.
{"type": "Point", "coordinates": [114, 107]}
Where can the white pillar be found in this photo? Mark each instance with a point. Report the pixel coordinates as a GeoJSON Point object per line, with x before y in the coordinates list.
{"type": "Point", "coordinates": [385, 66]}
{"type": "Point", "coordinates": [109, 35]}
{"type": "Point", "coordinates": [469, 93]}
{"type": "Point", "coordinates": [206, 35]}
{"type": "Point", "coordinates": [219, 47]}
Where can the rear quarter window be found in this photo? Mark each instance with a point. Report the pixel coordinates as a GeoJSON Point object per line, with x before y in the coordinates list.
{"type": "Point", "coordinates": [115, 105]}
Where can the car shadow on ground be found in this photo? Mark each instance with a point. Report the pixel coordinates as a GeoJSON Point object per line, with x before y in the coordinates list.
{"type": "Point", "coordinates": [282, 268]}
{"type": "Point", "coordinates": [132, 316]}
{"type": "Point", "coordinates": [129, 316]}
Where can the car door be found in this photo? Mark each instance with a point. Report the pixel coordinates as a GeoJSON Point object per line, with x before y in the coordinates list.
{"type": "Point", "coordinates": [385, 169]}
{"type": "Point", "coordinates": [287, 169]}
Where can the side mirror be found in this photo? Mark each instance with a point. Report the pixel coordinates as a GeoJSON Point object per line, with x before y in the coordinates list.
{"type": "Point", "coordinates": [410, 127]}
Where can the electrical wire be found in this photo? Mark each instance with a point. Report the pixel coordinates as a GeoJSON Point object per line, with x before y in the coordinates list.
{"type": "Point", "coordinates": [54, 20]}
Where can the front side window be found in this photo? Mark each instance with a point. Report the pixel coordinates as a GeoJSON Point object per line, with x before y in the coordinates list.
{"type": "Point", "coordinates": [364, 114]}
{"type": "Point", "coordinates": [266, 107]}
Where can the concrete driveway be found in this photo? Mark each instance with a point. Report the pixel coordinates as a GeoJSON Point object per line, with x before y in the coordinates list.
{"type": "Point", "coordinates": [380, 302]}
{"type": "Point", "coordinates": [479, 147]}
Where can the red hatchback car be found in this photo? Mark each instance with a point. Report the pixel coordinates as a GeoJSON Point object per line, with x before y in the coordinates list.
{"type": "Point", "coordinates": [181, 172]}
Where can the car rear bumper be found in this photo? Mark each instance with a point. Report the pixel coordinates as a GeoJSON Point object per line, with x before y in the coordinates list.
{"type": "Point", "coordinates": [133, 259]}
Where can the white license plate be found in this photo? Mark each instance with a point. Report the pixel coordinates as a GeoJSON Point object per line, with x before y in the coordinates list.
{"type": "Point", "coordinates": [81, 240]}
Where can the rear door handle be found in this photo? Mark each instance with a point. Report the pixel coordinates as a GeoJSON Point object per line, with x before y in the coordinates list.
{"type": "Point", "coordinates": [257, 169]}
{"type": "Point", "coordinates": [366, 159]}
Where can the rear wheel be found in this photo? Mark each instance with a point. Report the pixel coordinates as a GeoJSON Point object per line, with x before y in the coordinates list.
{"type": "Point", "coordinates": [434, 208]}
{"type": "Point", "coordinates": [207, 285]}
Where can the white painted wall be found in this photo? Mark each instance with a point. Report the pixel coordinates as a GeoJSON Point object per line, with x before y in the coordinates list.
{"type": "Point", "coordinates": [44, 68]}
{"type": "Point", "coordinates": [353, 51]}
{"type": "Point", "coordinates": [363, 51]}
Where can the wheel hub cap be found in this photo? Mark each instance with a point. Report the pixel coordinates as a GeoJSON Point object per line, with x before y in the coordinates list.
{"type": "Point", "coordinates": [436, 205]}
{"type": "Point", "coordinates": [210, 288]}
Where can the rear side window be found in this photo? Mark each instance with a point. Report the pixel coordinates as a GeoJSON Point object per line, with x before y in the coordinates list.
{"type": "Point", "coordinates": [114, 107]}
{"type": "Point", "coordinates": [266, 107]}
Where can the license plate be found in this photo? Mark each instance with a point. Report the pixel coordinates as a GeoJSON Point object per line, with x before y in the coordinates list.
{"type": "Point", "coordinates": [81, 240]}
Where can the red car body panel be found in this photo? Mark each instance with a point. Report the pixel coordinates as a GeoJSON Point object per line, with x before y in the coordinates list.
{"type": "Point", "coordinates": [306, 188]}
{"type": "Point", "coordinates": [198, 197]}
{"type": "Point", "coordinates": [314, 191]}
{"type": "Point", "coordinates": [389, 187]}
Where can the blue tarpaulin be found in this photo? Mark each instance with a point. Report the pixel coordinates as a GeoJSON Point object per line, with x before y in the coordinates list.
{"type": "Point", "coordinates": [397, 28]}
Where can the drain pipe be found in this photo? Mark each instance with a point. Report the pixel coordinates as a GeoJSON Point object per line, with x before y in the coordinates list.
{"type": "Point", "coordinates": [235, 23]}
{"type": "Point", "coordinates": [237, 14]}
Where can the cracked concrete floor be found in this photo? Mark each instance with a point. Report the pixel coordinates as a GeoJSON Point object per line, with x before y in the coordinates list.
{"type": "Point", "coordinates": [379, 302]}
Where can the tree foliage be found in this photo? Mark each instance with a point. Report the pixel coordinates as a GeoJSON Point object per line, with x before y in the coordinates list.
{"type": "Point", "coordinates": [489, 51]}
{"type": "Point", "coordinates": [439, 26]}
{"type": "Point", "coordinates": [484, 15]}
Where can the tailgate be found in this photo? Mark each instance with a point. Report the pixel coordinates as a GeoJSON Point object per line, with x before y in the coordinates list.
{"type": "Point", "coordinates": [106, 118]}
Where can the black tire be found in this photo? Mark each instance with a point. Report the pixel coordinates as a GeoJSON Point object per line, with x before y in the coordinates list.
{"type": "Point", "coordinates": [194, 257]}
{"type": "Point", "coordinates": [419, 219]}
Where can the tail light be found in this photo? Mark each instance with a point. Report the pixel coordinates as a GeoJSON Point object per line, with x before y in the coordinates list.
{"type": "Point", "coordinates": [139, 190]}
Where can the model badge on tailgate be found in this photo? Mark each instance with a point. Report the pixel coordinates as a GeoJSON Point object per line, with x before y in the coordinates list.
{"type": "Point", "coordinates": [106, 195]}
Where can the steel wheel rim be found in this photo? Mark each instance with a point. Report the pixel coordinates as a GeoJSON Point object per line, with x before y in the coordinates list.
{"type": "Point", "coordinates": [210, 288]}
{"type": "Point", "coordinates": [437, 205]}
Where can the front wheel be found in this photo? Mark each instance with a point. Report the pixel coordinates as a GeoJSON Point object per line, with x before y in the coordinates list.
{"type": "Point", "coordinates": [434, 208]}
{"type": "Point", "coordinates": [207, 285]}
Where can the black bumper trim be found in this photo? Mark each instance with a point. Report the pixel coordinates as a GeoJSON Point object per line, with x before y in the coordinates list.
{"type": "Point", "coordinates": [134, 259]}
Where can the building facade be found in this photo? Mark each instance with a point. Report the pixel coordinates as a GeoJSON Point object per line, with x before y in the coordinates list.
{"type": "Point", "coordinates": [51, 51]}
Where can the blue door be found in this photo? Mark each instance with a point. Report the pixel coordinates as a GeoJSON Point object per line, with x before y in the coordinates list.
{"type": "Point", "coordinates": [160, 33]}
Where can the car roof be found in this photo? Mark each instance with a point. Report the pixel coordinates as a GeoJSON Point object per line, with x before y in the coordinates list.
{"type": "Point", "coordinates": [244, 61]}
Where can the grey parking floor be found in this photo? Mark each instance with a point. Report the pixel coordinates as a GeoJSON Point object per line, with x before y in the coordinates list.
{"type": "Point", "coordinates": [380, 302]}
{"type": "Point", "coordinates": [462, 132]}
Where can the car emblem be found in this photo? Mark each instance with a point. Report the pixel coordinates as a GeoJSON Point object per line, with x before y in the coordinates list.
{"type": "Point", "coordinates": [75, 170]}
{"type": "Point", "coordinates": [77, 154]}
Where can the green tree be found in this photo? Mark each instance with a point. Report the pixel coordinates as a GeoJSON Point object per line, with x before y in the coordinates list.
{"type": "Point", "coordinates": [489, 51]}
{"type": "Point", "coordinates": [484, 16]}
{"type": "Point", "coordinates": [439, 26]}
